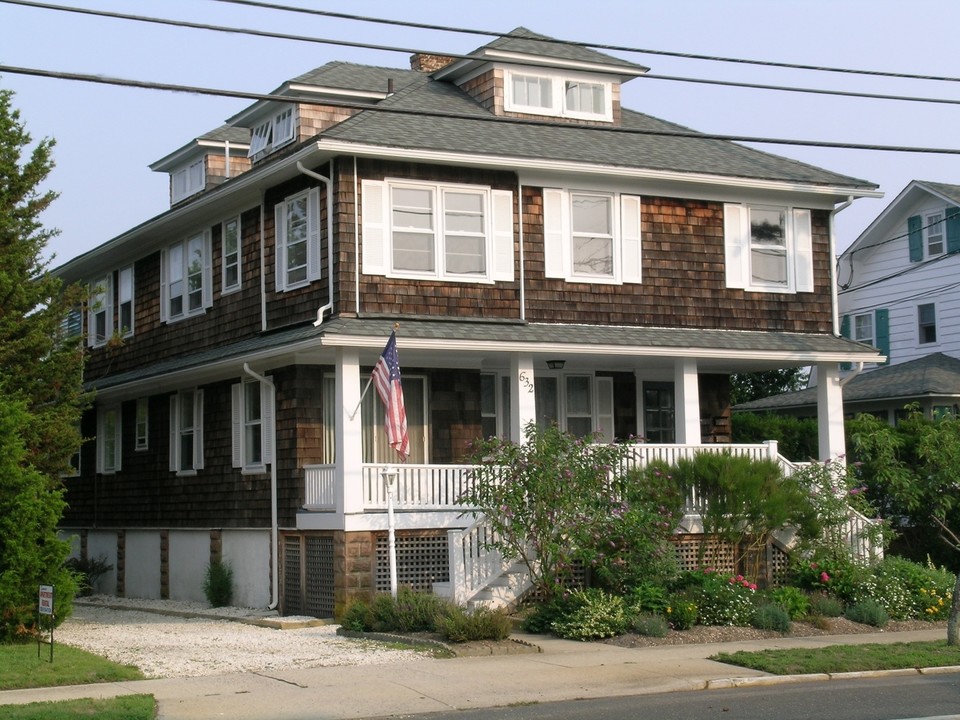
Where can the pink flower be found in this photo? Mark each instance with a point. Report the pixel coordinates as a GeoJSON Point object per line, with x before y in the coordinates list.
{"type": "Point", "coordinates": [824, 577]}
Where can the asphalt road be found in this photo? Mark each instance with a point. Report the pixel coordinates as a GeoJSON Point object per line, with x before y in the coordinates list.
{"type": "Point", "coordinates": [888, 698]}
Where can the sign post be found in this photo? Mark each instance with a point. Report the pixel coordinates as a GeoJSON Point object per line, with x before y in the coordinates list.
{"type": "Point", "coordinates": [45, 607]}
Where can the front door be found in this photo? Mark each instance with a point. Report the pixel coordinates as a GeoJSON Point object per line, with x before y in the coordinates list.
{"type": "Point", "coordinates": [659, 413]}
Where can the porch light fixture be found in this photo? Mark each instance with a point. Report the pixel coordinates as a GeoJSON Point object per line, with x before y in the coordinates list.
{"type": "Point", "coordinates": [556, 364]}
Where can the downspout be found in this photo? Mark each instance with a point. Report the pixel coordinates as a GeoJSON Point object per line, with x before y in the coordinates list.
{"type": "Point", "coordinates": [274, 540]}
{"type": "Point", "coordinates": [263, 262]}
{"type": "Point", "coordinates": [329, 183]}
{"type": "Point", "coordinates": [356, 238]}
{"type": "Point", "coordinates": [833, 265]}
{"type": "Point", "coordinates": [847, 378]}
{"type": "Point", "coordinates": [523, 297]}
{"type": "Point", "coordinates": [226, 160]}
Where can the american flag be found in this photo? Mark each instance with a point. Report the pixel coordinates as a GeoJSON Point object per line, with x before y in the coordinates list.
{"type": "Point", "coordinates": [386, 377]}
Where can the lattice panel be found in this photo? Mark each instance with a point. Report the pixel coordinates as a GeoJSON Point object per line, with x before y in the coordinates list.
{"type": "Point", "coordinates": [779, 564]}
{"type": "Point", "coordinates": [421, 561]}
{"type": "Point", "coordinates": [292, 594]}
{"type": "Point", "coordinates": [716, 553]}
{"type": "Point", "coordinates": [318, 580]}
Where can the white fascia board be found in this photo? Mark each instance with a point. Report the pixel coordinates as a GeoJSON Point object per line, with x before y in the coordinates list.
{"type": "Point", "coordinates": [338, 92]}
{"type": "Point", "coordinates": [570, 167]}
{"type": "Point", "coordinates": [196, 148]}
{"type": "Point", "coordinates": [551, 62]}
{"type": "Point", "coordinates": [569, 349]}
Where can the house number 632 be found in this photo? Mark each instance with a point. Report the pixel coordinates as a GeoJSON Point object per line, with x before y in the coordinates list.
{"type": "Point", "coordinates": [525, 382]}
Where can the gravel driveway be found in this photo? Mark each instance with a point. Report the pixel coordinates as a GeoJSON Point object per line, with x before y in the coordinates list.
{"type": "Point", "coordinates": [171, 646]}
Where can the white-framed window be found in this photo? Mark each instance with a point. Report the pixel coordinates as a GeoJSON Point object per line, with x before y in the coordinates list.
{"type": "Point", "coordinates": [108, 440]}
{"type": "Point", "coordinates": [100, 312]}
{"type": "Point", "coordinates": [188, 180]}
{"type": "Point", "coordinates": [274, 132]}
{"type": "Point", "coordinates": [186, 432]}
{"type": "Point", "coordinates": [230, 247]}
{"type": "Point", "coordinates": [252, 412]}
{"type": "Point", "coordinates": [186, 278]}
{"type": "Point", "coordinates": [297, 222]}
{"type": "Point", "coordinates": [494, 405]}
{"type": "Point", "coordinates": [125, 292]}
{"type": "Point", "coordinates": [863, 329]}
{"type": "Point", "coordinates": [592, 236]}
{"type": "Point", "coordinates": [559, 95]}
{"type": "Point", "coordinates": [768, 248]}
{"type": "Point", "coordinates": [927, 323]}
{"type": "Point", "coordinates": [142, 441]}
{"type": "Point", "coordinates": [935, 234]}
{"type": "Point", "coordinates": [434, 230]}
{"type": "Point", "coordinates": [579, 404]}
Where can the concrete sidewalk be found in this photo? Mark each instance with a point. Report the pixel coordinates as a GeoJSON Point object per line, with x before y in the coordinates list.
{"type": "Point", "coordinates": [563, 670]}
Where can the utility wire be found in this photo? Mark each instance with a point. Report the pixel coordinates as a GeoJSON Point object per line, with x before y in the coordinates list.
{"type": "Point", "coordinates": [911, 268]}
{"type": "Point", "coordinates": [601, 46]}
{"type": "Point", "coordinates": [905, 299]}
{"type": "Point", "coordinates": [191, 89]}
{"type": "Point", "coordinates": [414, 51]}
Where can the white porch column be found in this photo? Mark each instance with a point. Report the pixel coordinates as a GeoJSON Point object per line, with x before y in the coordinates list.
{"type": "Point", "coordinates": [523, 401]}
{"type": "Point", "coordinates": [830, 412]}
{"type": "Point", "coordinates": [687, 397]}
{"type": "Point", "coordinates": [348, 436]}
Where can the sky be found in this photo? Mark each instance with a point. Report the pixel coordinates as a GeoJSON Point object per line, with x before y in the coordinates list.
{"type": "Point", "coordinates": [107, 136]}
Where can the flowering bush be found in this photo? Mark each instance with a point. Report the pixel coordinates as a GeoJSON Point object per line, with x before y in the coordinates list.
{"type": "Point", "coordinates": [720, 599]}
{"type": "Point", "coordinates": [592, 614]}
{"type": "Point", "coordinates": [913, 590]}
{"type": "Point", "coordinates": [681, 613]}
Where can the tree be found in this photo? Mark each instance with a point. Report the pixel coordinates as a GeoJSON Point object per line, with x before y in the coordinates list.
{"type": "Point", "coordinates": [745, 387]}
{"type": "Point", "coordinates": [41, 382]}
{"type": "Point", "coordinates": [915, 468]}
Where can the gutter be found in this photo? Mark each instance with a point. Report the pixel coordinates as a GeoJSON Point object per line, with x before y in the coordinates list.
{"type": "Point", "coordinates": [274, 540]}
{"type": "Point", "coordinates": [833, 267]}
{"type": "Point", "coordinates": [329, 183]}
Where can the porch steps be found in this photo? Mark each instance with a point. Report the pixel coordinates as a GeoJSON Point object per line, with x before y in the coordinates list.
{"type": "Point", "coordinates": [504, 591]}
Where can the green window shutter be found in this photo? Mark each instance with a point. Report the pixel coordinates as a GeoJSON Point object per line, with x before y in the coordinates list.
{"type": "Point", "coordinates": [953, 229]}
{"type": "Point", "coordinates": [882, 332]}
{"type": "Point", "coordinates": [915, 231]}
{"type": "Point", "coordinates": [845, 332]}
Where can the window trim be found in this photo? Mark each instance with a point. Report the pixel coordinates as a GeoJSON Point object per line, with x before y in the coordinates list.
{"type": "Point", "coordinates": [100, 303]}
{"type": "Point", "coordinates": [558, 95]}
{"type": "Point", "coordinates": [109, 463]}
{"type": "Point", "coordinates": [311, 196]}
{"type": "Point", "coordinates": [265, 138]}
{"type": "Point", "coordinates": [177, 400]}
{"type": "Point", "coordinates": [194, 180]}
{"type": "Point", "coordinates": [929, 224]}
{"type": "Point", "coordinates": [206, 275]}
{"type": "Point", "coordinates": [142, 425]}
{"type": "Point", "coordinates": [126, 330]}
{"type": "Point", "coordinates": [854, 330]}
{"type": "Point", "coordinates": [226, 288]}
{"type": "Point", "coordinates": [798, 243]}
{"type": "Point", "coordinates": [920, 326]}
{"type": "Point", "coordinates": [240, 422]}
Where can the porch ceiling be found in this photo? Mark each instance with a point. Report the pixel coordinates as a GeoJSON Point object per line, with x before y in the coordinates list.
{"type": "Point", "coordinates": [488, 345]}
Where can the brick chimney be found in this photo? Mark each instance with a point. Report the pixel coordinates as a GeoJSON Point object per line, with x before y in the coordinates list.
{"type": "Point", "coordinates": [425, 63]}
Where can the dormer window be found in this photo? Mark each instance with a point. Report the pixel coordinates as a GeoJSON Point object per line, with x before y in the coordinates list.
{"type": "Point", "coordinates": [568, 96]}
{"type": "Point", "coordinates": [272, 133]}
{"type": "Point", "coordinates": [187, 181]}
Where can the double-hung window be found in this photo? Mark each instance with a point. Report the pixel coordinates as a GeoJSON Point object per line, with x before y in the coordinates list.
{"type": "Point", "coordinates": [556, 94]}
{"type": "Point", "coordinates": [125, 292]}
{"type": "Point", "coordinates": [252, 426]}
{"type": "Point", "coordinates": [108, 440]}
{"type": "Point", "coordinates": [927, 323]}
{"type": "Point", "coordinates": [870, 328]}
{"type": "Point", "coordinates": [186, 282]}
{"type": "Point", "coordinates": [297, 222]}
{"type": "Point", "coordinates": [592, 236]}
{"type": "Point", "coordinates": [431, 230]}
{"type": "Point", "coordinates": [100, 313]}
{"type": "Point", "coordinates": [579, 404]}
{"type": "Point", "coordinates": [935, 234]}
{"type": "Point", "coordinates": [142, 424]}
{"type": "Point", "coordinates": [230, 248]}
{"type": "Point", "coordinates": [863, 328]}
{"type": "Point", "coordinates": [768, 248]}
{"type": "Point", "coordinates": [186, 432]}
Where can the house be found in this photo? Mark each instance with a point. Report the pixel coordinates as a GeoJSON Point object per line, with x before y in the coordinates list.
{"type": "Point", "coordinates": [549, 256]}
{"type": "Point", "coordinates": [897, 291]}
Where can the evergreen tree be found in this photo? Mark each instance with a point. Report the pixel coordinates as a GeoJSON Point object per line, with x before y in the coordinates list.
{"type": "Point", "coordinates": [41, 383]}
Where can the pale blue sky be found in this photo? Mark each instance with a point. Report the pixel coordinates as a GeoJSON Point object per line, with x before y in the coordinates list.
{"type": "Point", "coordinates": [107, 136]}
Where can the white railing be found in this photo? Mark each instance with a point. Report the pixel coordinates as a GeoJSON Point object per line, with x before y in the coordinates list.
{"type": "Point", "coordinates": [473, 563]}
{"type": "Point", "coordinates": [320, 488]}
{"type": "Point", "coordinates": [420, 487]}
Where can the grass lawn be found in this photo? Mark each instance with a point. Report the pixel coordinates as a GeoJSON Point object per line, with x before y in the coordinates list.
{"type": "Point", "coordinates": [21, 668]}
{"type": "Point", "coordinates": [845, 658]}
{"type": "Point", "coordinates": [126, 707]}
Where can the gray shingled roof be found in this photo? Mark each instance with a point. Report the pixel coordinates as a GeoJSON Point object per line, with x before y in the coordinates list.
{"type": "Point", "coordinates": [351, 76]}
{"type": "Point", "coordinates": [524, 41]}
{"type": "Point", "coordinates": [488, 135]}
{"type": "Point", "coordinates": [685, 340]}
{"type": "Point", "coordinates": [932, 375]}
{"type": "Point", "coordinates": [952, 192]}
{"type": "Point", "coordinates": [227, 133]}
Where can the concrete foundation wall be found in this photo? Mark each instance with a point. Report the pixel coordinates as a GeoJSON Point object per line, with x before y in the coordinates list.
{"type": "Point", "coordinates": [248, 553]}
{"type": "Point", "coordinates": [104, 543]}
{"type": "Point", "coordinates": [142, 567]}
{"type": "Point", "coordinates": [189, 557]}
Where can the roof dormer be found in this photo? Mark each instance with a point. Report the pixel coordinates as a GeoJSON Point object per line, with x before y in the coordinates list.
{"type": "Point", "coordinates": [205, 162]}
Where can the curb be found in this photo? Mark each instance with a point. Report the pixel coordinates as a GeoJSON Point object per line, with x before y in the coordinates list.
{"type": "Point", "coordinates": [516, 646]}
{"type": "Point", "coordinates": [766, 680]}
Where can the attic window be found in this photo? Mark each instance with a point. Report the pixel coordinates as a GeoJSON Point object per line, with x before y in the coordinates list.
{"type": "Point", "coordinates": [187, 181]}
{"type": "Point", "coordinates": [569, 96]}
{"type": "Point", "coordinates": [274, 132]}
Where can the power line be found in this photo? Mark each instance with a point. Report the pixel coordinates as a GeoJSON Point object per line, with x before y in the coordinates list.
{"type": "Point", "coordinates": [195, 90]}
{"type": "Point", "coordinates": [911, 268]}
{"type": "Point", "coordinates": [413, 51]}
{"type": "Point", "coordinates": [902, 300]}
{"type": "Point", "coordinates": [601, 46]}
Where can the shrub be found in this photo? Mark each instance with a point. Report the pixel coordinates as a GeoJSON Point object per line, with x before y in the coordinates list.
{"type": "Point", "coordinates": [913, 590]}
{"type": "Point", "coordinates": [868, 612]}
{"type": "Point", "coordinates": [720, 599]}
{"type": "Point", "coordinates": [218, 584]}
{"type": "Point", "coordinates": [457, 625]}
{"type": "Point", "coordinates": [647, 598]}
{"type": "Point", "coordinates": [88, 571]}
{"type": "Point", "coordinates": [358, 617]}
{"type": "Point", "coordinates": [682, 613]}
{"type": "Point", "coordinates": [770, 617]}
{"type": "Point", "coordinates": [824, 605]}
{"type": "Point", "coordinates": [540, 620]}
{"type": "Point", "coordinates": [593, 614]}
{"type": "Point", "coordinates": [650, 625]}
{"type": "Point", "coordinates": [791, 599]}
